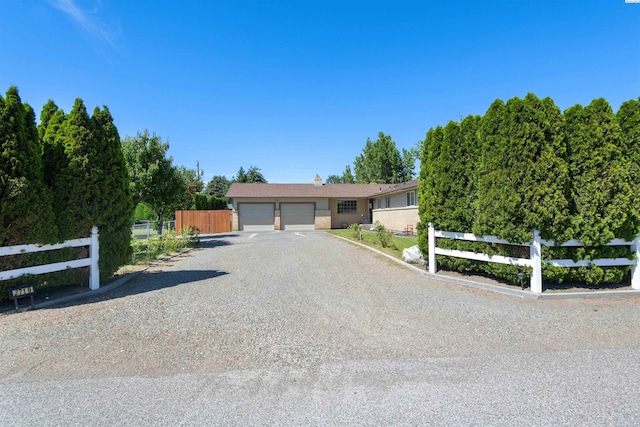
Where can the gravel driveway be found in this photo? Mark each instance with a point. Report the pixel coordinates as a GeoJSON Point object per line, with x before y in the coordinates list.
{"type": "Point", "coordinates": [301, 328]}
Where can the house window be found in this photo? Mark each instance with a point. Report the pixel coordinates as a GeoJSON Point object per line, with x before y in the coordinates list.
{"type": "Point", "coordinates": [347, 206]}
{"type": "Point", "coordinates": [411, 198]}
{"type": "Point", "coordinates": [387, 202]}
{"type": "Point", "coordinates": [379, 203]}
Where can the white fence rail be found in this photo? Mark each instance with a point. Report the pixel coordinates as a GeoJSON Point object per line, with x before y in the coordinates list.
{"type": "Point", "coordinates": [535, 259]}
{"type": "Point", "coordinates": [92, 261]}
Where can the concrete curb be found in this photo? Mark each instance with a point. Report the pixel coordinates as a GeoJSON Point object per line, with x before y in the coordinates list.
{"type": "Point", "coordinates": [498, 289]}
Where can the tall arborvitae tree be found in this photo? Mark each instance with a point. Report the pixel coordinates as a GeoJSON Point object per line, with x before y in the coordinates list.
{"type": "Point", "coordinates": [601, 191]}
{"type": "Point", "coordinates": [48, 110]}
{"type": "Point", "coordinates": [54, 158]}
{"type": "Point", "coordinates": [74, 188]}
{"type": "Point", "coordinates": [469, 156]}
{"type": "Point", "coordinates": [629, 120]}
{"type": "Point", "coordinates": [522, 174]}
{"type": "Point", "coordinates": [26, 215]}
{"type": "Point", "coordinates": [113, 202]}
{"type": "Point", "coordinates": [428, 192]}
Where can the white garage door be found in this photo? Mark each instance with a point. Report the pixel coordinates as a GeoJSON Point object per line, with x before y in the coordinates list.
{"type": "Point", "coordinates": [256, 216]}
{"type": "Point", "coordinates": [297, 216]}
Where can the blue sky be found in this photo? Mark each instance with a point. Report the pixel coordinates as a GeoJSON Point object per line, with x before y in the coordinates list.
{"type": "Point", "coordinates": [296, 87]}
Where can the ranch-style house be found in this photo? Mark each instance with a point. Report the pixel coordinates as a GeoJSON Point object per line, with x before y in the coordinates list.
{"type": "Point", "coordinates": [319, 206]}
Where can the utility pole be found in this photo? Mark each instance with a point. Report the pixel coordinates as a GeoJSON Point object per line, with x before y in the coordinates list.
{"type": "Point", "coordinates": [199, 173]}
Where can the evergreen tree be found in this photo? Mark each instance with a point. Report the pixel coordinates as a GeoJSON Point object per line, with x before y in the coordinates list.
{"type": "Point", "coordinates": [218, 186]}
{"type": "Point", "coordinates": [522, 175]}
{"type": "Point", "coordinates": [601, 191]}
{"type": "Point", "coordinates": [49, 109]}
{"type": "Point", "coordinates": [251, 176]}
{"type": "Point", "coordinates": [240, 176]}
{"type": "Point", "coordinates": [255, 176]}
{"type": "Point", "coordinates": [428, 191]}
{"type": "Point", "coordinates": [628, 117]}
{"type": "Point", "coordinates": [469, 156]}
{"type": "Point", "coordinates": [54, 159]}
{"type": "Point", "coordinates": [26, 215]}
{"type": "Point", "coordinates": [74, 189]}
{"type": "Point", "coordinates": [113, 204]}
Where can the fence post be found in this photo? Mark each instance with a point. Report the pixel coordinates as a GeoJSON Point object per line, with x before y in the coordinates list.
{"type": "Point", "coordinates": [433, 267]}
{"type": "Point", "coordinates": [635, 271]}
{"type": "Point", "coordinates": [535, 252]}
{"type": "Point", "coordinates": [94, 250]}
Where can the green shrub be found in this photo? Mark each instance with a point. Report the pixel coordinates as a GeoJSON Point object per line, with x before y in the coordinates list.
{"type": "Point", "coordinates": [202, 202]}
{"type": "Point", "coordinates": [355, 230]}
{"type": "Point", "coordinates": [384, 236]}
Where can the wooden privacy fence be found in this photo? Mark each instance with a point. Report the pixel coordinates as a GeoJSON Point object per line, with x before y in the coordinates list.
{"type": "Point", "coordinates": [535, 260]}
{"type": "Point", "coordinates": [207, 222]}
{"type": "Point", "coordinates": [92, 261]}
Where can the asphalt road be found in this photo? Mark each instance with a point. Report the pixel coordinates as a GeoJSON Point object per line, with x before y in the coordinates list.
{"type": "Point", "coordinates": [304, 329]}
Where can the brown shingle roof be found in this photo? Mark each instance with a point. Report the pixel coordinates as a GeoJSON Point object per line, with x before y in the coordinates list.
{"type": "Point", "coordinates": [392, 188]}
{"type": "Point", "coordinates": [302, 190]}
{"type": "Point", "coordinates": [309, 190]}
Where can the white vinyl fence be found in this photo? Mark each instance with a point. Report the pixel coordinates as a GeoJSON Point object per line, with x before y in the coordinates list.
{"type": "Point", "coordinates": [92, 261]}
{"type": "Point", "coordinates": [535, 260]}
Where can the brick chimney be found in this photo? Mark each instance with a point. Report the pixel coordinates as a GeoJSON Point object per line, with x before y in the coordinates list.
{"type": "Point", "coordinates": [317, 181]}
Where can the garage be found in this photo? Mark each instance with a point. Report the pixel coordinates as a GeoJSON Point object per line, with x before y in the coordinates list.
{"type": "Point", "coordinates": [256, 216]}
{"type": "Point", "coordinates": [297, 216]}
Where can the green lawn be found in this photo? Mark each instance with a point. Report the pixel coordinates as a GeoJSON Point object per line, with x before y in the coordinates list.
{"type": "Point", "coordinates": [399, 243]}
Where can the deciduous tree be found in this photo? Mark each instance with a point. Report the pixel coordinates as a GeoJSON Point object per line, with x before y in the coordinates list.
{"type": "Point", "coordinates": [380, 162]}
{"type": "Point", "coordinates": [153, 178]}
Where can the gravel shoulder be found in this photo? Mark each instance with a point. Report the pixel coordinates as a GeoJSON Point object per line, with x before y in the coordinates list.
{"type": "Point", "coordinates": [302, 319]}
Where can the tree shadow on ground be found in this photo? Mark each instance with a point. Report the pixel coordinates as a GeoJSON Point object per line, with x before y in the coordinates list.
{"type": "Point", "coordinates": [214, 241]}
{"type": "Point", "coordinates": [149, 281]}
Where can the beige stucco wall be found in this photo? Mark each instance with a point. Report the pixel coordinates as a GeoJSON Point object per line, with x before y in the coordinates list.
{"type": "Point", "coordinates": [339, 220]}
{"type": "Point", "coordinates": [397, 219]}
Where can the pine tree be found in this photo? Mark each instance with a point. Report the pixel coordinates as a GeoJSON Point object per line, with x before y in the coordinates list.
{"type": "Point", "coordinates": [26, 215]}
